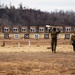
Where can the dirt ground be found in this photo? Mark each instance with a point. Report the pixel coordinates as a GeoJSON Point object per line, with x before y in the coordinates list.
{"type": "Point", "coordinates": [36, 58]}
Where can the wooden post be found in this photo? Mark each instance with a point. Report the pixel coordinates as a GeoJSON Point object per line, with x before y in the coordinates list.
{"type": "Point", "coordinates": [18, 44]}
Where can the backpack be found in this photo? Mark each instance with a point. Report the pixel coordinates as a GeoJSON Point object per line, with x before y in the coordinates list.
{"type": "Point", "coordinates": [73, 38]}
{"type": "Point", "coordinates": [54, 35]}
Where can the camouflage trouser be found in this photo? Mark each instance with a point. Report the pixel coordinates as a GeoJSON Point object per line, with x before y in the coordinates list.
{"type": "Point", "coordinates": [53, 45]}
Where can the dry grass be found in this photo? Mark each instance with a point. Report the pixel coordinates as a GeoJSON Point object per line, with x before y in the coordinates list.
{"type": "Point", "coordinates": [37, 59]}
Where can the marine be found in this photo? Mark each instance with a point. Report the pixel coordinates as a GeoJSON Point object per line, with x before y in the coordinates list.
{"type": "Point", "coordinates": [54, 34]}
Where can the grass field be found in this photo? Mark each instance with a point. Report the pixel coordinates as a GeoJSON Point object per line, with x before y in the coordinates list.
{"type": "Point", "coordinates": [36, 58]}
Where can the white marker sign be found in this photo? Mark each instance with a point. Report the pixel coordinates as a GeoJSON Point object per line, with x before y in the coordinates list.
{"type": "Point", "coordinates": [16, 36]}
{"type": "Point", "coordinates": [36, 36]}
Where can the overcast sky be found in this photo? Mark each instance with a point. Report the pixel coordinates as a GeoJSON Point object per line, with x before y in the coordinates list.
{"type": "Point", "coordinates": [43, 5]}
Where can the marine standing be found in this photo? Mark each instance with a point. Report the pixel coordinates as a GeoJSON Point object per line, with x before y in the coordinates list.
{"type": "Point", "coordinates": [54, 34]}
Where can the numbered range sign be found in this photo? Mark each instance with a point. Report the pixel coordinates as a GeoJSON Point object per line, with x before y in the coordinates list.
{"type": "Point", "coordinates": [16, 36]}
{"type": "Point", "coordinates": [36, 36]}
{"type": "Point", "coordinates": [26, 36]}
{"type": "Point", "coordinates": [46, 36]}
{"type": "Point", "coordinates": [6, 36]}
{"type": "Point", "coordinates": [67, 36]}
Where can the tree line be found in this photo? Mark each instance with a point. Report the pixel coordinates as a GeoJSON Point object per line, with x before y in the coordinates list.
{"type": "Point", "coordinates": [23, 16]}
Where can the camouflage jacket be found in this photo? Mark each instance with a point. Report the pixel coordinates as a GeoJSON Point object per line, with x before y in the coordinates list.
{"type": "Point", "coordinates": [54, 34]}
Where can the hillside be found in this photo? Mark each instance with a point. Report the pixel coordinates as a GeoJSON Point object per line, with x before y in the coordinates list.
{"type": "Point", "coordinates": [23, 16]}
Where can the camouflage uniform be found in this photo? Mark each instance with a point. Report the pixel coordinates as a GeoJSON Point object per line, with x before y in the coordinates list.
{"type": "Point", "coordinates": [73, 42]}
{"type": "Point", "coordinates": [54, 34]}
